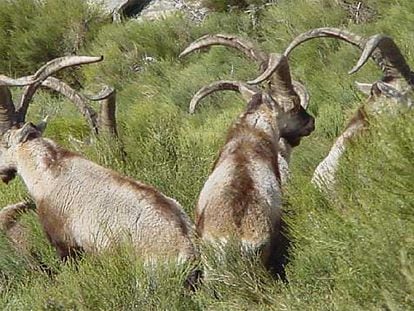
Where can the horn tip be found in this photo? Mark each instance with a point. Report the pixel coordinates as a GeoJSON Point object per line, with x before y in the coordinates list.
{"type": "Point", "coordinates": [353, 70]}
{"type": "Point", "coordinates": [255, 81]}
{"type": "Point", "coordinates": [186, 51]}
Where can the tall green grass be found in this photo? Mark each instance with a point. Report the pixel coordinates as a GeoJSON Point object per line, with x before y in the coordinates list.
{"type": "Point", "coordinates": [353, 250]}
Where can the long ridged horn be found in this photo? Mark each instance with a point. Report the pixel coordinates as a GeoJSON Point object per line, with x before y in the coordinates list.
{"type": "Point", "coordinates": [278, 70]}
{"type": "Point", "coordinates": [107, 117]}
{"type": "Point", "coordinates": [302, 92]}
{"type": "Point", "coordinates": [23, 81]}
{"type": "Point", "coordinates": [79, 100]}
{"type": "Point", "coordinates": [7, 109]}
{"type": "Point", "coordinates": [392, 62]}
{"type": "Point", "coordinates": [222, 85]}
{"type": "Point", "coordinates": [275, 67]}
{"type": "Point", "coordinates": [45, 71]}
{"type": "Point", "coordinates": [7, 112]}
{"type": "Point", "coordinates": [104, 93]}
{"type": "Point", "coordinates": [243, 45]}
{"type": "Point", "coordinates": [381, 48]}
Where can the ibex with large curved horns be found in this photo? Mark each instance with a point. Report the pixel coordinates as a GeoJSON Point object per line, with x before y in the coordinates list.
{"type": "Point", "coordinates": [242, 196]}
{"type": "Point", "coordinates": [396, 85]}
{"type": "Point", "coordinates": [263, 60]}
{"type": "Point", "coordinates": [83, 206]}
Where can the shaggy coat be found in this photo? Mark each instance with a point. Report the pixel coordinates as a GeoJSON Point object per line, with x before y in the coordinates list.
{"type": "Point", "coordinates": [242, 196]}
{"type": "Point", "coordinates": [85, 207]}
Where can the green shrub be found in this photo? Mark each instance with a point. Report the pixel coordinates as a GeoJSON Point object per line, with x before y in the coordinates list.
{"type": "Point", "coordinates": [353, 251]}
{"type": "Point", "coordinates": [34, 32]}
{"type": "Point", "coordinates": [226, 5]}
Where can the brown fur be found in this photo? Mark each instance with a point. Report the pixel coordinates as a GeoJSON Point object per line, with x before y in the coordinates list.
{"type": "Point", "coordinates": [241, 194]}
{"type": "Point", "coordinates": [13, 229]}
{"type": "Point", "coordinates": [263, 147]}
{"type": "Point", "coordinates": [55, 156]}
{"type": "Point", "coordinates": [241, 190]}
{"type": "Point", "coordinates": [161, 203]}
{"type": "Point", "coordinates": [54, 225]}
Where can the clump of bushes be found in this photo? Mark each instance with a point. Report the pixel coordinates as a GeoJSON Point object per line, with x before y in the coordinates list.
{"type": "Point", "coordinates": [34, 32]}
{"type": "Point", "coordinates": [227, 5]}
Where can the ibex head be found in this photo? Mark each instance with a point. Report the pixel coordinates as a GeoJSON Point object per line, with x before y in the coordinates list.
{"type": "Point", "coordinates": [398, 80]}
{"type": "Point", "coordinates": [286, 100]}
{"type": "Point", "coordinates": [12, 135]}
{"type": "Point", "coordinates": [13, 129]}
{"type": "Point", "coordinates": [10, 142]}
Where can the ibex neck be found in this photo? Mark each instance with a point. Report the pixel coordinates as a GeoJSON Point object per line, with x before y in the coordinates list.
{"type": "Point", "coordinates": [257, 122]}
{"type": "Point", "coordinates": [253, 133]}
{"type": "Point", "coordinates": [39, 162]}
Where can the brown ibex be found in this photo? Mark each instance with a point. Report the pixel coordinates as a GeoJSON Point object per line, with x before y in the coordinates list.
{"type": "Point", "coordinates": [242, 196]}
{"type": "Point", "coordinates": [83, 206]}
{"type": "Point", "coordinates": [395, 86]}
{"type": "Point", "coordinates": [263, 61]}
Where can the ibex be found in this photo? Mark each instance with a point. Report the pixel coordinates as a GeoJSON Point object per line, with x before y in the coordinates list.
{"type": "Point", "coordinates": [395, 86]}
{"type": "Point", "coordinates": [84, 207]}
{"type": "Point", "coordinates": [263, 61]}
{"type": "Point", "coordinates": [242, 196]}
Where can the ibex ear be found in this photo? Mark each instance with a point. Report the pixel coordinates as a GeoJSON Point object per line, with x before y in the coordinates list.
{"type": "Point", "coordinates": [42, 125]}
{"type": "Point", "coordinates": [364, 87]}
{"type": "Point", "coordinates": [27, 132]}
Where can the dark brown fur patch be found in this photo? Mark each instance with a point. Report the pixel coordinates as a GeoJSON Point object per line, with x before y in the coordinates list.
{"type": "Point", "coordinates": [8, 175]}
{"type": "Point", "coordinates": [54, 225]}
{"type": "Point", "coordinates": [254, 103]}
{"type": "Point", "coordinates": [162, 204]}
{"type": "Point", "coordinates": [241, 190]}
{"type": "Point", "coordinates": [55, 155]}
{"type": "Point", "coordinates": [253, 143]}
{"type": "Point", "coordinates": [264, 146]}
{"type": "Point", "coordinates": [199, 222]}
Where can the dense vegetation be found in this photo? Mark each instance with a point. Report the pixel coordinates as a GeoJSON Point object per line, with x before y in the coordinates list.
{"type": "Point", "coordinates": [353, 250]}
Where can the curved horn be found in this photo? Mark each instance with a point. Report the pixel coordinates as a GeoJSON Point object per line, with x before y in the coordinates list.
{"type": "Point", "coordinates": [222, 85]}
{"type": "Point", "coordinates": [326, 32]}
{"type": "Point", "coordinates": [392, 62]}
{"type": "Point", "coordinates": [46, 70]}
{"type": "Point", "coordinates": [243, 45]}
{"type": "Point", "coordinates": [80, 101]}
{"type": "Point", "coordinates": [107, 118]}
{"type": "Point", "coordinates": [23, 81]}
{"type": "Point", "coordinates": [382, 49]}
{"type": "Point", "coordinates": [105, 92]}
{"type": "Point", "coordinates": [7, 112]}
{"type": "Point", "coordinates": [303, 94]}
{"type": "Point", "coordinates": [279, 72]}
